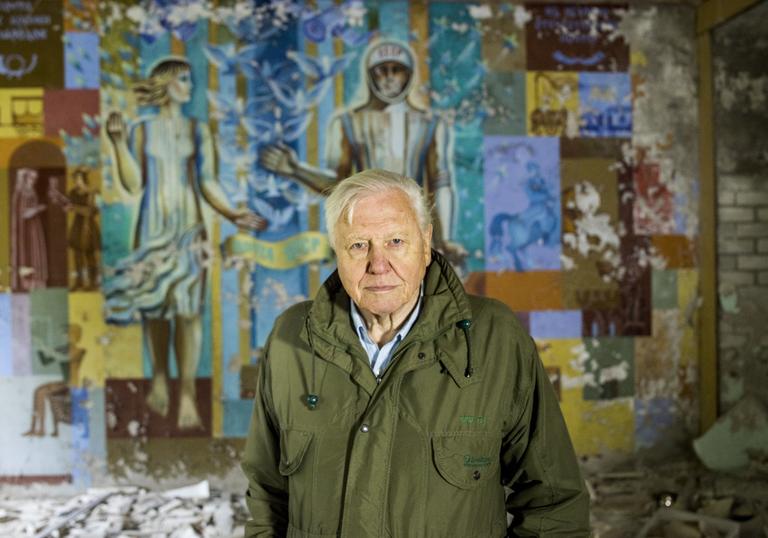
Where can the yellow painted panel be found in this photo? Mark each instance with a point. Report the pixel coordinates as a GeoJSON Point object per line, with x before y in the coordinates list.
{"type": "Point", "coordinates": [21, 112]}
{"type": "Point", "coordinates": [123, 350]}
{"type": "Point", "coordinates": [687, 287]}
{"type": "Point", "coordinates": [5, 231]}
{"type": "Point", "coordinates": [552, 103]}
{"type": "Point", "coordinates": [595, 426]}
{"type": "Point", "coordinates": [85, 311]}
{"type": "Point", "coordinates": [602, 426]}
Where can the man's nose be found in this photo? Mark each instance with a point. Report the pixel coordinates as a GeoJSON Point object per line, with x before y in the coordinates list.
{"type": "Point", "coordinates": [377, 260]}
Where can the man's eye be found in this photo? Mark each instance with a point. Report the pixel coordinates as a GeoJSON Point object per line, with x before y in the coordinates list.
{"type": "Point", "coordinates": [357, 246]}
{"type": "Point", "coordinates": [397, 241]}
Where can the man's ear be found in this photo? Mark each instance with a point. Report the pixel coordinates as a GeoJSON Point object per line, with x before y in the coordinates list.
{"type": "Point", "coordinates": [428, 244]}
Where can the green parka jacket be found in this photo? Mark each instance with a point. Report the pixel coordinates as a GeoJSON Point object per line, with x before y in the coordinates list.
{"type": "Point", "coordinates": [421, 451]}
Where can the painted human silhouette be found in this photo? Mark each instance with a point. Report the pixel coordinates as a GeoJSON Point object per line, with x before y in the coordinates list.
{"type": "Point", "coordinates": [56, 394]}
{"type": "Point", "coordinates": [84, 234]}
{"type": "Point", "coordinates": [29, 260]}
{"type": "Point", "coordinates": [171, 164]}
{"type": "Point", "coordinates": [386, 131]}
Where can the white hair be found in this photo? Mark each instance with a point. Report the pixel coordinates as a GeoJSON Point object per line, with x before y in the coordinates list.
{"type": "Point", "coordinates": [344, 196]}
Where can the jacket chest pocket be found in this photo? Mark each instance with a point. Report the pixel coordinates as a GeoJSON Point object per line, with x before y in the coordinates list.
{"type": "Point", "coordinates": [294, 446]}
{"type": "Point", "coordinates": [467, 460]}
{"type": "Point", "coordinates": [465, 487]}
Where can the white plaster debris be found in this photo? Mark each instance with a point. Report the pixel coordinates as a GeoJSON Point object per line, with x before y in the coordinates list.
{"type": "Point", "coordinates": [201, 490]}
{"type": "Point", "coordinates": [187, 512]}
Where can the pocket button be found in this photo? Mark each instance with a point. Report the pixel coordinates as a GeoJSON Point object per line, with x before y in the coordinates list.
{"type": "Point", "coordinates": [476, 475]}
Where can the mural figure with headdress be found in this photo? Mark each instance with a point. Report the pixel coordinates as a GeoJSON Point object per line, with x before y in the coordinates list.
{"type": "Point", "coordinates": [168, 161]}
{"type": "Point", "coordinates": [29, 258]}
{"type": "Point", "coordinates": [387, 130]}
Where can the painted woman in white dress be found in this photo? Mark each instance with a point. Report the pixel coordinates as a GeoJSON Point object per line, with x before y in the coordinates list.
{"type": "Point", "coordinates": [169, 160]}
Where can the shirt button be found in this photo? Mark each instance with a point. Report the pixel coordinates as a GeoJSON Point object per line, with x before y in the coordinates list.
{"type": "Point", "coordinates": [476, 475]}
{"type": "Point", "coordinates": [364, 428]}
{"type": "Point", "coordinates": [378, 380]}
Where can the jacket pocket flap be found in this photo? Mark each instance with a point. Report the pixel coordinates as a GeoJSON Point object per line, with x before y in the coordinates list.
{"type": "Point", "coordinates": [293, 446]}
{"type": "Point", "coordinates": [466, 460]}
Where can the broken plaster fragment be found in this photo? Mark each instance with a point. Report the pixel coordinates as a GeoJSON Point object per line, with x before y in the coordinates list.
{"type": "Point", "coordinates": [737, 434]}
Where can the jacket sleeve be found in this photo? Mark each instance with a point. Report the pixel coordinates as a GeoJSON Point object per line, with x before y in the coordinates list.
{"type": "Point", "coordinates": [267, 494]}
{"type": "Point", "coordinates": [548, 496]}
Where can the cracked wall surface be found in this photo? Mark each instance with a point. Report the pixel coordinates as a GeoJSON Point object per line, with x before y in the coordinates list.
{"type": "Point", "coordinates": [739, 49]}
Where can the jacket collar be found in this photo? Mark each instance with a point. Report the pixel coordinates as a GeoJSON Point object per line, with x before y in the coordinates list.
{"type": "Point", "coordinates": [444, 304]}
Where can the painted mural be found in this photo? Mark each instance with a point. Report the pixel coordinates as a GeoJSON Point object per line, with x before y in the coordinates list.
{"type": "Point", "coordinates": [162, 178]}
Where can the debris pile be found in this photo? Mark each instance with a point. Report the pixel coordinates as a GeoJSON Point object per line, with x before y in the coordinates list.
{"type": "Point", "coordinates": [674, 499]}
{"type": "Point", "coordinates": [678, 500]}
{"type": "Point", "coordinates": [181, 513]}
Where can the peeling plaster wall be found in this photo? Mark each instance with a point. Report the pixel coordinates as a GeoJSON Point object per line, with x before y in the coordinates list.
{"type": "Point", "coordinates": [665, 127]}
{"type": "Point", "coordinates": [666, 114]}
{"type": "Point", "coordinates": [594, 105]}
{"type": "Point", "coordinates": [740, 49]}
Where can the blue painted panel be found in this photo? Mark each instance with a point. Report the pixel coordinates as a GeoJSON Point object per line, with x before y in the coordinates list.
{"type": "Point", "coordinates": [6, 352]}
{"type": "Point", "coordinates": [81, 60]}
{"type": "Point", "coordinates": [522, 203]}
{"type": "Point", "coordinates": [605, 105]}
{"type": "Point", "coordinates": [237, 415]}
{"type": "Point", "coordinates": [555, 324]}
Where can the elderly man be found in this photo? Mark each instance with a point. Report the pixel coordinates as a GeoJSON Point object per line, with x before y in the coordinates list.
{"type": "Point", "coordinates": [396, 405]}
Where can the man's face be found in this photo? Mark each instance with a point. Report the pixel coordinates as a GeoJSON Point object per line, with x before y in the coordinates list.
{"type": "Point", "coordinates": [383, 254]}
{"type": "Point", "coordinates": [390, 78]}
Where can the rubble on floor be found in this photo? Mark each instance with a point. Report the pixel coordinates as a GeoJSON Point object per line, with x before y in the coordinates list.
{"type": "Point", "coordinates": [641, 500]}
{"type": "Point", "coordinates": [188, 512]}
{"type": "Point", "coordinates": [678, 500]}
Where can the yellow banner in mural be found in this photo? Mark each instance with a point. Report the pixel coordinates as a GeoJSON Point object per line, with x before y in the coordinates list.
{"type": "Point", "coordinates": [286, 254]}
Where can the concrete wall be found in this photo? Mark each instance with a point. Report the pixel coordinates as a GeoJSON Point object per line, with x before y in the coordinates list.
{"type": "Point", "coordinates": [740, 48]}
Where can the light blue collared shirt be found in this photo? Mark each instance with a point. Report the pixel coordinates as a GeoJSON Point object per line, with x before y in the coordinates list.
{"type": "Point", "coordinates": [379, 357]}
